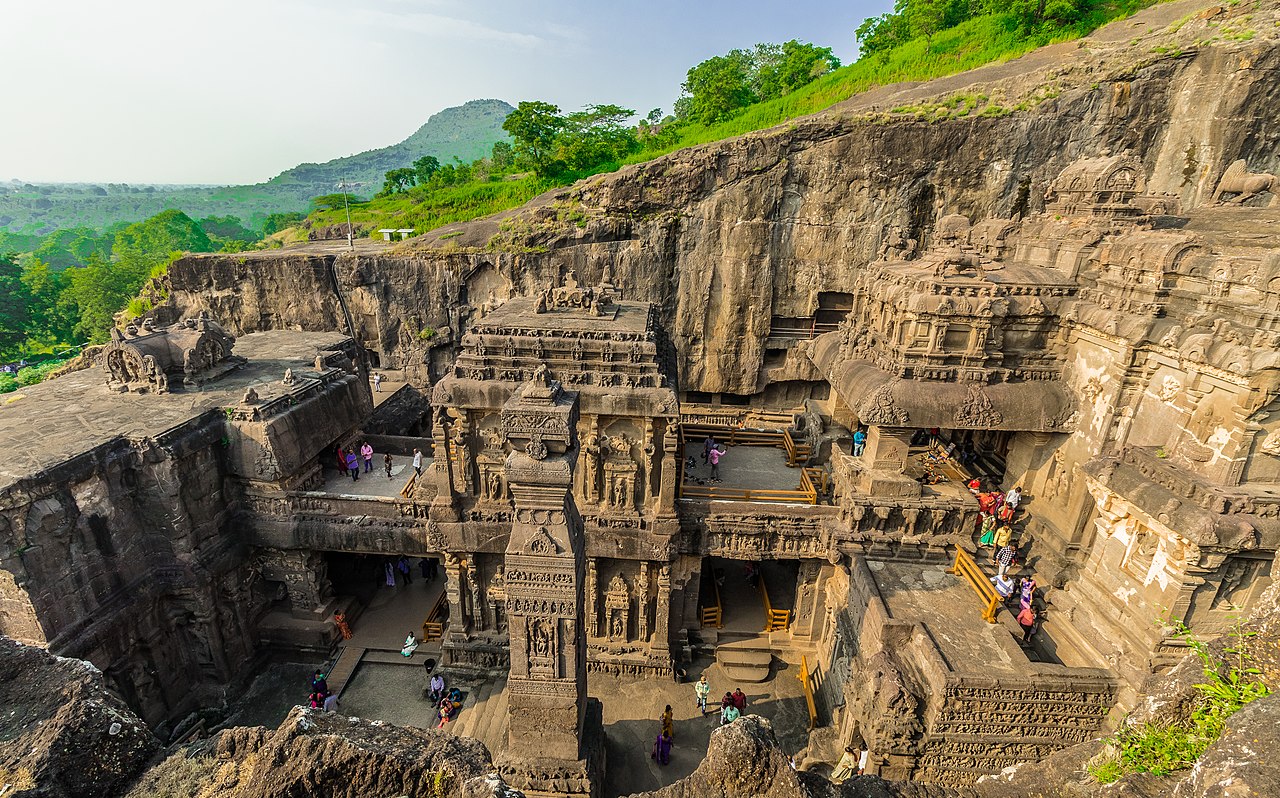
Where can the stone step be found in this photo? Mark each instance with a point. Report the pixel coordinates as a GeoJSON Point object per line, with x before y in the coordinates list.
{"type": "Point", "coordinates": [746, 674]}
{"type": "Point", "coordinates": [342, 670]}
{"type": "Point", "coordinates": [491, 715]}
{"type": "Point", "coordinates": [468, 717]}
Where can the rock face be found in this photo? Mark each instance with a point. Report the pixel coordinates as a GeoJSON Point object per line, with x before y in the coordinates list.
{"type": "Point", "coordinates": [313, 754]}
{"type": "Point", "coordinates": [726, 236]}
{"type": "Point", "coordinates": [62, 734]}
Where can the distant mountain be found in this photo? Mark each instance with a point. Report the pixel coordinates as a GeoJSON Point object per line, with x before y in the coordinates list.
{"type": "Point", "coordinates": [467, 131]}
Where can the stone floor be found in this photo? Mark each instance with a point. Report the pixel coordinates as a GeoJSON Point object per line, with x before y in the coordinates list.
{"type": "Point", "coordinates": [951, 612]}
{"type": "Point", "coordinates": [394, 612]}
{"type": "Point", "coordinates": [374, 483]}
{"type": "Point", "coordinates": [745, 467]}
{"type": "Point", "coordinates": [632, 708]}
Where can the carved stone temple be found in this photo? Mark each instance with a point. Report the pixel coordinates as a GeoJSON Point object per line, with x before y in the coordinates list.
{"type": "Point", "coordinates": [1112, 349]}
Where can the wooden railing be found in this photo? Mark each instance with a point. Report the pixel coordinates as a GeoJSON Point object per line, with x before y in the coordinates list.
{"type": "Point", "coordinates": [719, 493]}
{"type": "Point", "coordinates": [797, 453]}
{"type": "Point", "coordinates": [814, 479]}
{"type": "Point", "coordinates": [968, 570]}
{"type": "Point", "coordinates": [407, 490]}
{"type": "Point", "coordinates": [732, 436]}
{"type": "Point", "coordinates": [775, 620]}
{"type": "Point", "coordinates": [807, 682]}
{"type": "Point", "coordinates": [433, 626]}
{"type": "Point", "coordinates": [713, 616]}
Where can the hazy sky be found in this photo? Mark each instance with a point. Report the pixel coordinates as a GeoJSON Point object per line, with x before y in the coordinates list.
{"type": "Point", "coordinates": [234, 91]}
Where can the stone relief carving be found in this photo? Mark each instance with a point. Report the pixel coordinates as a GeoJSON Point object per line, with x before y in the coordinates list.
{"type": "Point", "coordinates": [977, 410]}
{"type": "Point", "coordinates": [881, 408]}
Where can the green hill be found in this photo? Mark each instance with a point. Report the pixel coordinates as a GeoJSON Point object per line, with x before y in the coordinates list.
{"type": "Point", "coordinates": [466, 132]}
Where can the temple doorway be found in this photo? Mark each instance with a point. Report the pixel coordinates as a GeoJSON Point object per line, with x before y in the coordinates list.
{"type": "Point", "coordinates": [386, 609]}
{"type": "Point", "coordinates": [748, 597]}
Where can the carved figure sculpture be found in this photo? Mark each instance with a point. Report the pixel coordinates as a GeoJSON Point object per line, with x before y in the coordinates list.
{"type": "Point", "coordinates": [1244, 185]}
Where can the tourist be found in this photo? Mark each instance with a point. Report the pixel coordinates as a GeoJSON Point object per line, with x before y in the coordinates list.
{"type": "Point", "coordinates": [315, 701]}
{"type": "Point", "coordinates": [707, 446]}
{"type": "Point", "coordinates": [386, 463]}
{"type": "Point", "coordinates": [417, 462]}
{"type": "Point", "coordinates": [1001, 539]}
{"type": "Point", "coordinates": [1028, 591]}
{"type": "Point", "coordinates": [1005, 513]}
{"type": "Point", "coordinates": [1004, 557]}
{"type": "Point", "coordinates": [410, 645]}
{"type": "Point", "coordinates": [1014, 498]}
{"type": "Point", "coordinates": [668, 722]}
{"type": "Point", "coordinates": [714, 457]}
{"type": "Point", "coordinates": [402, 565]}
{"type": "Point", "coordinates": [847, 766]}
{"type": "Point", "coordinates": [702, 690]}
{"type": "Point", "coordinates": [353, 465]}
{"type": "Point", "coordinates": [342, 460]}
{"type": "Point", "coordinates": [988, 530]}
{"type": "Point", "coordinates": [1027, 620]}
{"type": "Point", "coordinates": [319, 684]}
{"type": "Point", "coordinates": [662, 748]}
{"type": "Point", "coordinates": [859, 442]}
{"type": "Point", "coordinates": [425, 568]}
{"type": "Point", "coordinates": [1004, 586]}
{"type": "Point", "coordinates": [433, 568]}
{"type": "Point", "coordinates": [377, 382]}
{"type": "Point", "coordinates": [340, 620]}
{"type": "Point", "coordinates": [986, 504]}
{"type": "Point", "coordinates": [366, 451]}
{"type": "Point", "coordinates": [975, 487]}
{"type": "Point", "coordinates": [751, 573]}
{"type": "Point", "coordinates": [331, 703]}
{"type": "Point", "coordinates": [739, 699]}
{"type": "Point", "coordinates": [436, 689]}
{"type": "Point", "coordinates": [729, 714]}
{"type": "Point", "coordinates": [390, 572]}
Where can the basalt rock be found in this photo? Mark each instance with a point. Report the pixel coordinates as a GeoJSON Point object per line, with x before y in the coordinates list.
{"type": "Point", "coordinates": [62, 733]}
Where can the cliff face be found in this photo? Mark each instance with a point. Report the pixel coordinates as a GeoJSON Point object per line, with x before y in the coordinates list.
{"type": "Point", "coordinates": [726, 235]}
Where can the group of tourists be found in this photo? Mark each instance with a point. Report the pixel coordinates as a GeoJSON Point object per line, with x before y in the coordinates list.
{"type": "Point", "coordinates": [997, 511]}
{"type": "Point", "coordinates": [349, 460]}
{"type": "Point", "coordinates": [852, 762]}
{"type": "Point", "coordinates": [395, 571]}
{"type": "Point", "coordinates": [448, 700]}
{"type": "Point", "coordinates": [731, 708]}
{"type": "Point", "coordinates": [321, 697]}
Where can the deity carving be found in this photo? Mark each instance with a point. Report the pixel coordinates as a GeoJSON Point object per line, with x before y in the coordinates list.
{"type": "Point", "coordinates": [1170, 387]}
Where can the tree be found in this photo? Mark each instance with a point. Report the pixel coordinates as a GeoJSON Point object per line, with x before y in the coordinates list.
{"type": "Point", "coordinates": [154, 238]}
{"type": "Point", "coordinates": [502, 156]}
{"type": "Point", "coordinates": [95, 293]}
{"type": "Point", "coordinates": [275, 222]}
{"type": "Point", "coordinates": [50, 322]}
{"type": "Point", "coordinates": [327, 202]}
{"type": "Point", "coordinates": [398, 180]}
{"type": "Point", "coordinates": [534, 125]}
{"type": "Point", "coordinates": [596, 135]}
{"type": "Point", "coordinates": [227, 228]}
{"type": "Point", "coordinates": [779, 69]}
{"type": "Point", "coordinates": [15, 308]}
{"type": "Point", "coordinates": [425, 167]}
{"type": "Point", "coordinates": [717, 88]}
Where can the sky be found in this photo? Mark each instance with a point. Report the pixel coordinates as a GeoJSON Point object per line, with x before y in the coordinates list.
{"type": "Point", "coordinates": [236, 91]}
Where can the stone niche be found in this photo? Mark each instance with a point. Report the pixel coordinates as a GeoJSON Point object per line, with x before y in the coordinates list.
{"type": "Point", "coordinates": [147, 359]}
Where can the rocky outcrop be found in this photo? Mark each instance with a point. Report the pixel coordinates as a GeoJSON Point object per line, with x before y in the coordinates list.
{"type": "Point", "coordinates": [62, 733]}
{"type": "Point", "coordinates": [727, 235]}
{"type": "Point", "coordinates": [313, 753]}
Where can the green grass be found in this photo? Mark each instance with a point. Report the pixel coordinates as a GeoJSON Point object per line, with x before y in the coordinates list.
{"type": "Point", "coordinates": [1164, 748]}
{"type": "Point", "coordinates": [425, 211]}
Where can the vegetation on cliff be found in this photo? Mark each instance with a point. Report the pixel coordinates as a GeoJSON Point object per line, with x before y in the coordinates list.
{"type": "Point", "coordinates": [725, 96]}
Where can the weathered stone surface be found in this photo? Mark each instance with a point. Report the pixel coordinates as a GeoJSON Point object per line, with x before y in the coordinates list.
{"type": "Point", "coordinates": [317, 754]}
{"type": "Point", "coordinates": [62, 733]}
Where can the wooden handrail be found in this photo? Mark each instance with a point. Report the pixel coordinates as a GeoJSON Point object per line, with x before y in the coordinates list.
{"type": "Point", "coordinates": [407, 490]}
{"type": "Point", "coordinates": [714, 616]}
{"type": "Point", "coordinates": [968, 570]}
{"type": "Point", "coordinates": [433, 627]}
{"type": "Point", "coordinates": [775, 620]}
{"type": "Point", "coordinates": [802, 496]}
{"type": "Point", "coordinates": [796, 452]}
{"type": "Point", "coordinates": [807, 683]}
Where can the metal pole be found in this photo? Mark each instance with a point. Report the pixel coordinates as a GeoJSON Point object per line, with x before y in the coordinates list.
{"type": "Point", "coordinates": [347, 204]}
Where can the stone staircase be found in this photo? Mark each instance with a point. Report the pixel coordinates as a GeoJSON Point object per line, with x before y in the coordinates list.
{"type": "Point", "coordinates": [748, 660]}
{"type": "Point", "coordinates": [484, 715]}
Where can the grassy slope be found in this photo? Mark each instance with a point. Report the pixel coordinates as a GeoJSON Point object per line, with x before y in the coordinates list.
{"type": "Point", "coordinates": [976, 42]}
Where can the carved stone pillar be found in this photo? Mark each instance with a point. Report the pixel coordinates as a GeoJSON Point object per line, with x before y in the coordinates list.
{"type": "Point", "coordinates": [444, 507]}
{"type": "Point", "coordinates": [593, 600]}
{"type": "Point", "coordinates": [670, 472]}
{"type": "Point", "coordinates": [662, 613]}
{"type": "Point", "coordinates": [549, 751]}
{"type": "Point", "coordinates": [453, 590]}
{"type": "Point", "coordinates": [642, 602]}
{"type": "Point", "coordinates": [808, 586]}
{"type": "Point", "coordinates": [305, 577]}
{"type": "Point", "coordinates": [473, 592]}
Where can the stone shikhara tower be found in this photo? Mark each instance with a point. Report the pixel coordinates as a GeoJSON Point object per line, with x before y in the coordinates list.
{"type": "Point", "coordinates": [556, 741]}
